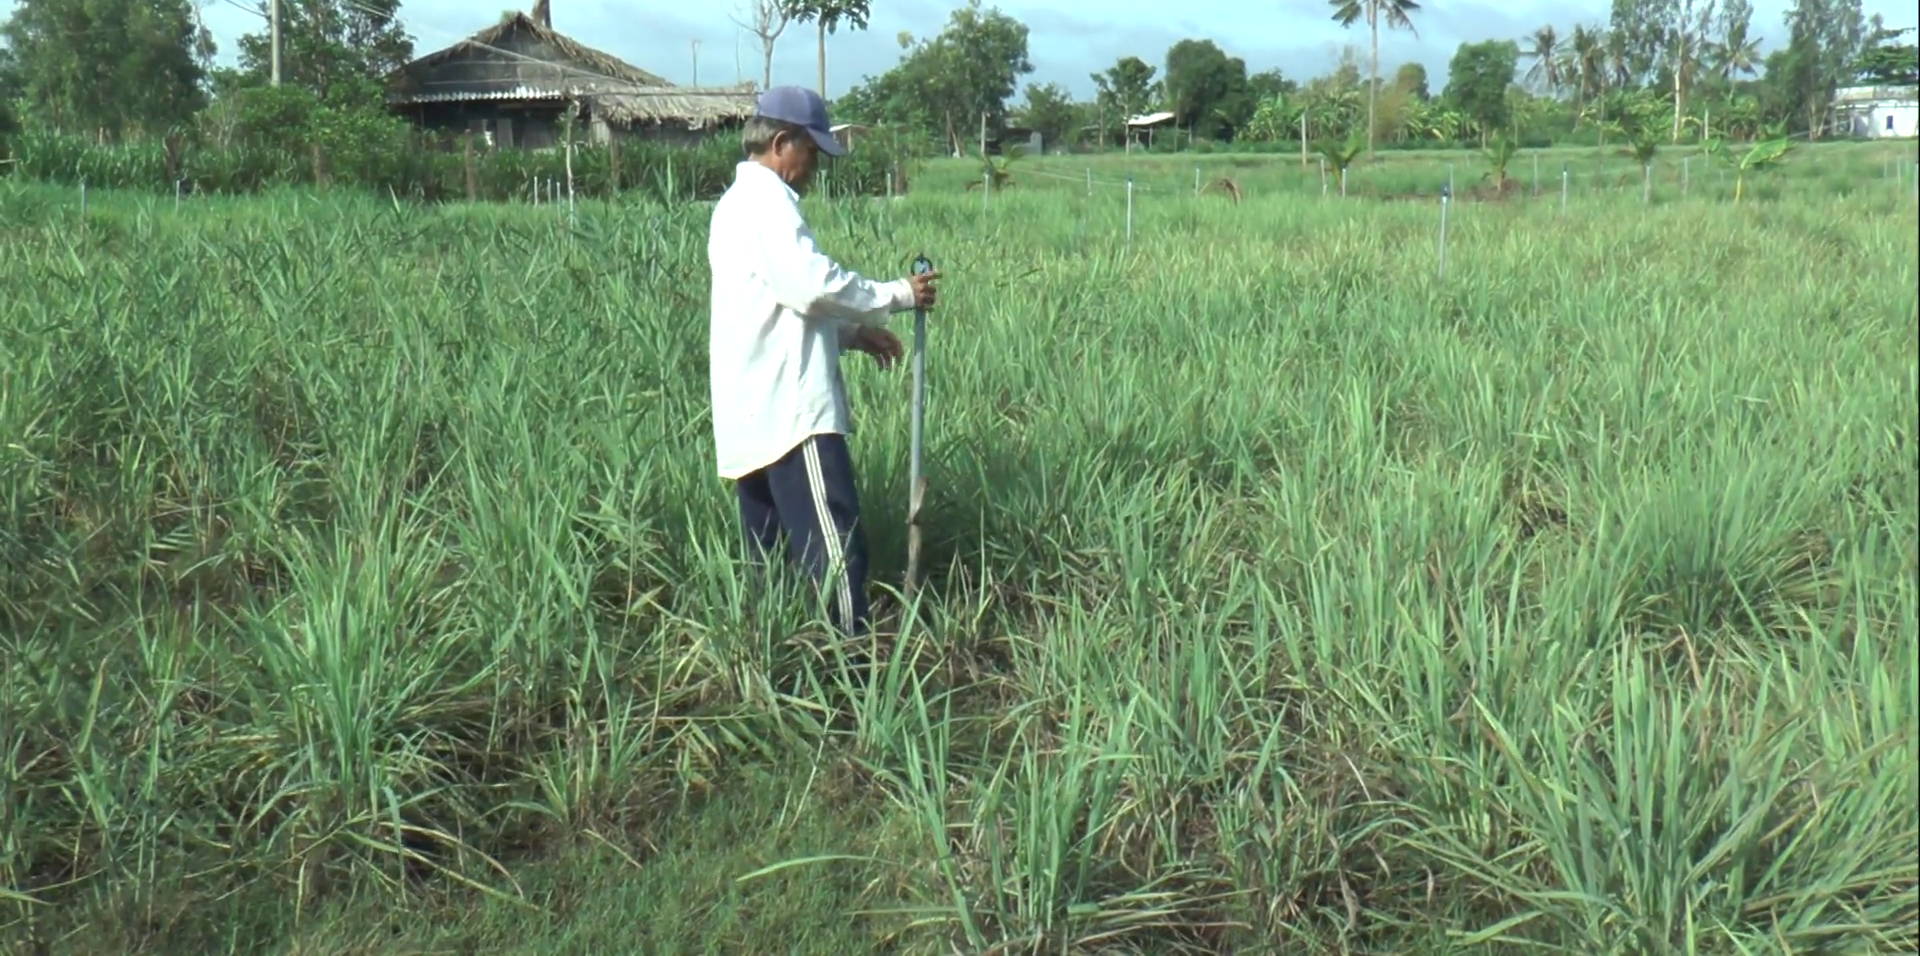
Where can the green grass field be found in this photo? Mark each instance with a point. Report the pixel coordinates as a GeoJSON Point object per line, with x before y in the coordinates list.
{"type": "Point", "coordinates": [1875, 172]}
{"type": "Point", "coordinates": [365, 586]}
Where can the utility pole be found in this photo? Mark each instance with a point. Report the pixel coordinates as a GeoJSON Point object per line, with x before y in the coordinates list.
{"type": "Point", "coordinates": [273, 16]}
{"type": "Point", "coordinates": [696, 62]}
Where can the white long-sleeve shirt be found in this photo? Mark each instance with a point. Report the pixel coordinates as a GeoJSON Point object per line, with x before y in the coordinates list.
{"type": "Point", "coordinates": [779, 308]}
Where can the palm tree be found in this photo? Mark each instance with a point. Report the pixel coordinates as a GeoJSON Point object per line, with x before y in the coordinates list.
{"type": "Point", "coordinates": [1684, 39]}
{"type": "Point", "coordinates": [1545, 50]}
{"type": "Point", "coordinates": [1737, 53]}
{"type": "Point", "coordinates": [1586, 62]}
{"type": "Point", "coordinates": [1619, 63]}
{"type": "Point", "coordinates": [1397, 13]}
{"type": "Point", "coordinates": [826, 16]}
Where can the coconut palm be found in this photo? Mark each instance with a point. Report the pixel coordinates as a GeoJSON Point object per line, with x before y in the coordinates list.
{"type": "Point", "coordinates": [1736, 54]}
{"type": "Point", "coordinates": [1545, 49]}
{"type": "Point", "coordinates": [1499, 152]}
{"type": "Point", "coordinates": [1587, 61]}
{"type": "Point", "coordinates": [827, 16]}
{"type": "Point", "coordinates": [1584, 68]}
{"type": "Point", "coordinates": [1685, 43]}
{"type": "Point", "coordinates": [1619, 64]}
{"type": "Point", "coordinates": [1396, 13]}
{"type": "Point", "coordinates": [1339, 154]}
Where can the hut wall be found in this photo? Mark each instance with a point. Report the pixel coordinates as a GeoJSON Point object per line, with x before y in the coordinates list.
{"type": "Point", "coordinates": [507, 124]}
{"type": "Point", "coordinates": [676, 134]}
{"type": "Point", "coordinates": [522, 125]}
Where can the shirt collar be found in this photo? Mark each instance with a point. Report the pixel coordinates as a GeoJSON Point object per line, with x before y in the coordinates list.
{"type": "Point", "coordinates": [748, 170]}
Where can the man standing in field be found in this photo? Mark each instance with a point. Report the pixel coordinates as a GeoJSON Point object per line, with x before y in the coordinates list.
{"type": "Point", "coordinates": [782, 311]}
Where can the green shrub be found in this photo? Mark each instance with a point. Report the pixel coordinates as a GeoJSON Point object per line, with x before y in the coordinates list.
{"type": "Point", "coordinates": [267, 137]}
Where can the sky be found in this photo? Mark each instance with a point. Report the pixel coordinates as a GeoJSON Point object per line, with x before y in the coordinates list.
{"type": "Point", "coordinates": [1067, 39]}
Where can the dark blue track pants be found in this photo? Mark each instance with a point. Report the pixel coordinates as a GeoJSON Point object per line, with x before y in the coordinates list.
{"type": "Point", "coordinates": [807, 499]}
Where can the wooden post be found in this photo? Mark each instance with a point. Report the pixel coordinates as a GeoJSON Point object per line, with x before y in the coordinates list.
{"type": "Point", "coordinates": [473, 180]}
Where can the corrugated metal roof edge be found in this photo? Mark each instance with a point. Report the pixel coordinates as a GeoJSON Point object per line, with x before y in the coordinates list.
{"type": "Point", "coordinates": [549, 93]}
{"type": "Point", "coordinates": [525, 93]}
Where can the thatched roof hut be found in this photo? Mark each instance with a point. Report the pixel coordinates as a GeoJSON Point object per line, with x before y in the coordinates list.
{"type": "Point", "coordinates": [515, 80]}
{"type": "Point", "coordinates": [698, 107]}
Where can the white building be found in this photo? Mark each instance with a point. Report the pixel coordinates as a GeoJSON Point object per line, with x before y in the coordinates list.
{"type": "Point", "coordinates": [1877, 112]}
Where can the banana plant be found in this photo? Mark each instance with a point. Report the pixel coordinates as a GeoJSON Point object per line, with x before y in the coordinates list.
{"type": "Point", "coordinates": [1436, 122]}
{"type": "Point", "coordinates": [1331, 109]}
{"type": "Point", "coordinates": [1738, 117]}
{"type": "Point", "coordinates": [1759, 158]}
{"type": "Point", "coordinates": [1275, 119]}
{"type": "Point", "coordinates": [1762, 156]}
{"type": "Point", "coordinates": [1341, 153]}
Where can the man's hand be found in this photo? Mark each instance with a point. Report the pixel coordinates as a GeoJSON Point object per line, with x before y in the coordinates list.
{"type": "Point", "coordinates": [923, 290]}
{"type": "Point", "coordinates": [884, 346]}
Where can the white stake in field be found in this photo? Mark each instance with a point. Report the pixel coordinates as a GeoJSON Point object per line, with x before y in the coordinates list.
{"type": "Point", "coordinates": [916, 481]}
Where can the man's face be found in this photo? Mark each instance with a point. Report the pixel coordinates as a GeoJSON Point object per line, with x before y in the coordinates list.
{"type": "Point", "coordinates": [794, 158]}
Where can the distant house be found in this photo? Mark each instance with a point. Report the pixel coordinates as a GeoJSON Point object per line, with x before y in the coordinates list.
{"type": "Point", "coordinates": [1025, 138]}
{"type": "Point", "coordinates": [1146, 126]}
{"type": "Point", "coordinates": [1877, 112]}
{"type": "Point", "coordinates": [847, 133]}
{"type": "Point", "coordinates": [516, 82]}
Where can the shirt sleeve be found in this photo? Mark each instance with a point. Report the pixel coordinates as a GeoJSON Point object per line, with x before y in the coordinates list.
{"type": "Point", "coordinates": [805, 280]}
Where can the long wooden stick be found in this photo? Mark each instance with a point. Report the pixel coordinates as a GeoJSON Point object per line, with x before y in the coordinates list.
{"type": "Point", "coordinates": [916, 481]}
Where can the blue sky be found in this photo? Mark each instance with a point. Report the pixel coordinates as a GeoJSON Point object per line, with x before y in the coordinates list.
{"type": "Point", "coordinates": [1068, 39]}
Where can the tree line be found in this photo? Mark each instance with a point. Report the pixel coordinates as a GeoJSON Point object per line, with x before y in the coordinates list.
{"type": "Point", "coordinates": [143, 70]}
{"type": "Point", "coordinates": [1694, 66]}
{"type": "Point", "coordinates": [126, 94]}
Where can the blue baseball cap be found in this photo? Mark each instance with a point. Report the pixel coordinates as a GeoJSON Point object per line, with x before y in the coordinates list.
{"type": "Point", "coordinates": [803, 108]}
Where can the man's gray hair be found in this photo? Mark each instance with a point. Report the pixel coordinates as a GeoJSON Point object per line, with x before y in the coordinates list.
{"type": "Point", "coordinates": [757, 136]}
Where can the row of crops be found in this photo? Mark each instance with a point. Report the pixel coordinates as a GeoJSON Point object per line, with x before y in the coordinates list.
{"type": "Point", "coordinates": [412, 166]}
